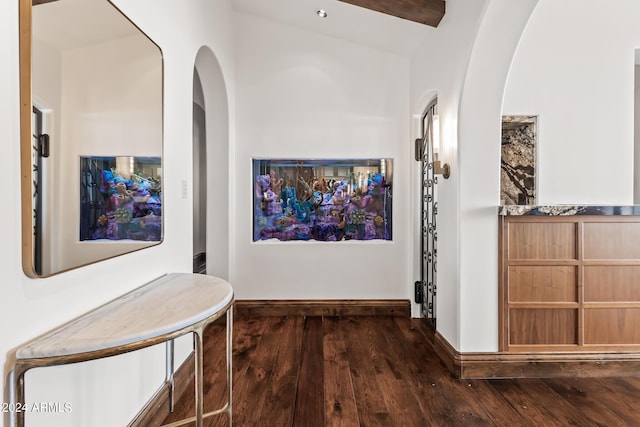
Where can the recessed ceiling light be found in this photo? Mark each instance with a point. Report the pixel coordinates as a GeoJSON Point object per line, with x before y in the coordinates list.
{"type": "Point", "coordinates": [321, 13]}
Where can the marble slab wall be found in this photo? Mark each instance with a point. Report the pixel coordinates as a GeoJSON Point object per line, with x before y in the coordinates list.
{"type": "Point", "coordinates": [518, 160]}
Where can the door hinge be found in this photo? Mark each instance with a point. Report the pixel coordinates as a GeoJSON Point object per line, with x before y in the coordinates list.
{"type": "Point", "coordinates": [419, 149]}
{"type": "Point", "coordinates": [418, 292]}
{"type": "Point", "coordinates": [43, 145]}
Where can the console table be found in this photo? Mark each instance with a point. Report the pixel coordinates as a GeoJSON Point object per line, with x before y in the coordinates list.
{"type": "Point", "coordinates": [160, 311]}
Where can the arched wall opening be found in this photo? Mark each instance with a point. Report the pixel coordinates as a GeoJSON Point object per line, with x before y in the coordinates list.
{"type": "Point", "coordinates": [215, 179]}
{"type": "Point", "coordinates": [199, 178]}
{"type": "Point", "coordinates": [479, 131]}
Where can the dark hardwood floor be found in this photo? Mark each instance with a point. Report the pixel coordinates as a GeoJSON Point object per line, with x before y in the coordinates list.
{"type": "Point", "coordinates": [382, 371]}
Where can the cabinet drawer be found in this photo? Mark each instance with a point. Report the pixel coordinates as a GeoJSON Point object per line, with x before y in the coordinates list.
{"type": "Point", "coordinates": [542, 241]}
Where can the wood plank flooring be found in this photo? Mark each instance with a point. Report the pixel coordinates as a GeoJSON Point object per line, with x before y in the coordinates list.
{"type": "Point", "coordinates": [382, 371]}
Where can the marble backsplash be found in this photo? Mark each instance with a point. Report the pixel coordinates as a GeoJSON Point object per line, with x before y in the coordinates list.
{"type": "Point", "coordinates": [568, 210]}
{"type": "Point", "coordinates": [518, 160]}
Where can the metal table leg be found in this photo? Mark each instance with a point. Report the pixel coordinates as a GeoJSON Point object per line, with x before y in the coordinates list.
{"type": "Point", "coordinates": [199, 374]}
{"type": "Point", "coordinates": [229, 405]}
{"type": "Point", "coordinates": [199, 377]}
{"type": "Point", "coordinates": [170, 373]}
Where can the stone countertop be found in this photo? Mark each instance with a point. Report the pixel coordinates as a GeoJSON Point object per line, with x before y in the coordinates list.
{"type": "Point", "coordinates": [167, 304]}
{"type": "Point", "coordinates": [567, 210]}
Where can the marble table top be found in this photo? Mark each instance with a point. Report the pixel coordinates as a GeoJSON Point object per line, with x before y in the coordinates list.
{"type": "Point", "coordinates": [165, 305]}
{"type": "Point", "coordinates": [568, 210]}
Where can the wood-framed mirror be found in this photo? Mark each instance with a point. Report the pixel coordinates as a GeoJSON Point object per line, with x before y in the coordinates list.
{"type": "Point", "coordinates": [91, 108]}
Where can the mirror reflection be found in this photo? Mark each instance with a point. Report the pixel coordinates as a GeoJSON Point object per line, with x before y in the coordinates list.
{"type": "Point", "coordinates": [120, 198]}
{"type": "Point", "coordinates": [91, 95]}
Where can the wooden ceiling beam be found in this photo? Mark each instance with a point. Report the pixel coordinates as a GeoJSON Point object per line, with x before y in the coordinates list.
{"type": "Point", "coordinates": [428, 12]}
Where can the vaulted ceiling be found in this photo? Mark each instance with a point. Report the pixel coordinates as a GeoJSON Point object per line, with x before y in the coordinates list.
{"type": "Point", "coordinates": [400, 28]}
{"type": "Point", "coordinates": [397, 26]}
{"type": "Point", "coordinates": [428, 12]}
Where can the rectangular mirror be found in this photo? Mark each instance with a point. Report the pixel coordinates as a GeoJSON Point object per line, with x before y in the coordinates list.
{"type": "Point", "coordinates": [91, 109]}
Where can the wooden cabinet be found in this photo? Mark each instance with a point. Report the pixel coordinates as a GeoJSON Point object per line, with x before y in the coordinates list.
{"type": "Point", "coordinates": [569, 283]}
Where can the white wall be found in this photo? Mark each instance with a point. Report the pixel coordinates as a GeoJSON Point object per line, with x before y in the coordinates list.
{"type": "Point", "coordinates": [111, 391]}
{"type": "Point", "coordinates": [636, 133]}
{"type": "Point", "coordinates": [438, 68]}
{"type": "Point", "coordinates": [574, 68]}
{"type": "Point", "coordinates": [479, 142]}
{"type": "Point", "coordinates": [111, 106]}
{"type": "Point", "coordinates": [466, 66]}
{"type": "Point", "coordinates": [304, 95]}
{"type": "Point", "coordinates": [219, 156]}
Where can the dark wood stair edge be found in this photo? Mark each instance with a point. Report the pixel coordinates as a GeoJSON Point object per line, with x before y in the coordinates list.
{"type": "Point", "coordinates": [266, 308]}
{"type": "Point", "coordinates": [536, 365]}
{"type": "Point", "coordinates": [156, 409]}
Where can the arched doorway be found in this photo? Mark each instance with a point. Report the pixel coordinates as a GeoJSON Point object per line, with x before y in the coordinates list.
{"type": "Point", "coordinates": [199, 178]}
{"type": "Point", "coordinates": [210, 166]}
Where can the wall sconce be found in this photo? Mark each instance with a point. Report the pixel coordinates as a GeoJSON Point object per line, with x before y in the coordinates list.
{"type": "Point", "coordinates": [125, 166]}
{"type": "Point", "coordinates": [438, 167]}
{"type": "Point", "coordinates": [421, 146]}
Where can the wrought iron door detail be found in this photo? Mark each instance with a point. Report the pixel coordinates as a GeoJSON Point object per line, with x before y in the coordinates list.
{"type": "Point", "coordinates": [36, 187]}
{"type": "Point", "coordinates": [428, 282]}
